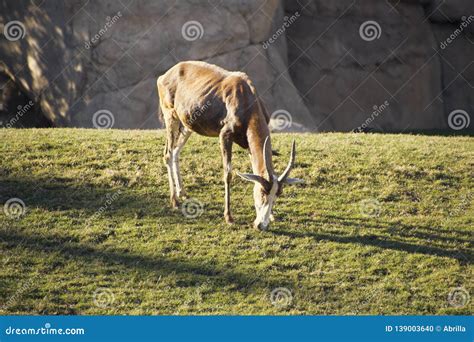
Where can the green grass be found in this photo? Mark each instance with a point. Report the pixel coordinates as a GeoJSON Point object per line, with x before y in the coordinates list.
{"type": "Point", "coordinates": [98, 225]}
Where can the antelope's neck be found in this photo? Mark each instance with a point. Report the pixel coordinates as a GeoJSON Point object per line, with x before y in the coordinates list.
{"type": "Point", "coordinates": [256, 134]}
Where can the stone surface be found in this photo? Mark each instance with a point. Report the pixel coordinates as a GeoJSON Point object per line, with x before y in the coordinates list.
{"type": "Point", "coordinates": [450, 10]}
{"type": "Point", "coordinates": [80, 57]}
{"type": "Point", "coordinates": [16, 108]}
{"type": "Point", "coordinates": [73, 75]}
{"type": "Point", "coordinates": [457, 71]}
{"type": "Point", "coordinates": [343, 78]}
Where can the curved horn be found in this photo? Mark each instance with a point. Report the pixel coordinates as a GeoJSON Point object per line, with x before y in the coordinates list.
{"type": "Point", "coordinates": [267, 158]}
{"type": "Point", "coordinates": [286, 173]}
{"type": "Point", "coordinates": [256, 179]}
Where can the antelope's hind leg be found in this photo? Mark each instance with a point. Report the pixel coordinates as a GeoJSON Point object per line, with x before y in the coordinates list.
{"type": "Point", "coordinates": [180, 142]}
{"type": "Point", "coordinates": [172, 134]}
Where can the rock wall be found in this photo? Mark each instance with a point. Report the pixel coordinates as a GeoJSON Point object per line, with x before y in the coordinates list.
{"type": "Point", "coordinates": [398, 78]}
{"type": "Point", "coordinates": [80, 57]}
{"type": "Point", "coordinates": [307, 58]}
{"type": "Point", "coordinates": [17, 109]}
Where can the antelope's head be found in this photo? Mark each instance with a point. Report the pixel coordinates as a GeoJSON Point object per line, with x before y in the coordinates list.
{"type": "Point", "coordinates": [268, 188]}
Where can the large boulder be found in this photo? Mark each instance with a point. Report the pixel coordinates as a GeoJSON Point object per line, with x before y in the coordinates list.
{"type": "Point", "coordinates": [318, 65]}
{"type": "Point", "coordinates": [81, 57]}
{"type": "Point", "coordinates": [384, 77]}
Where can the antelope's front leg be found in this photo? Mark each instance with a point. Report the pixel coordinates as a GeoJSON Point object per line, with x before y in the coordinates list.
{"type": "Point", "coordinates": [167, 159]}
{"type": "Point", "coordinates": [226, 150]}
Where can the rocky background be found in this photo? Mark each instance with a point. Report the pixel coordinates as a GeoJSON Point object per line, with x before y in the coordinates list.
{"type": "Point", "coordinates": [342, 65]}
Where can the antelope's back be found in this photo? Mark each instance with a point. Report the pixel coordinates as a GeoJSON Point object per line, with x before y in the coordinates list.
{"type": "Point", "coordinates": [206, 97]}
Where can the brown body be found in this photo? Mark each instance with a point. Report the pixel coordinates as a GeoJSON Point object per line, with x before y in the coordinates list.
{"type": "Point", "coordinates": [206, 99]}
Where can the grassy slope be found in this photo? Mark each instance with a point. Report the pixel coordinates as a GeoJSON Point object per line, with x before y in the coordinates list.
{"type": "Point", "coordinates": [155, 261]}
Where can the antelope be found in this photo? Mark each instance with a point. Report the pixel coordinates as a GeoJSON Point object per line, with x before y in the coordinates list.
{"type": "Point", "coordinates": [211, 101]}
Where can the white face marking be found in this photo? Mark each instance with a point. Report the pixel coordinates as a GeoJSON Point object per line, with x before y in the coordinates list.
{"type": "Point", "coordinates": [264, 210]}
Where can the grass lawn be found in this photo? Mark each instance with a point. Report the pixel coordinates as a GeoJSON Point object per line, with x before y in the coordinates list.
{"type": "Point", "coordinates": [383, 225]}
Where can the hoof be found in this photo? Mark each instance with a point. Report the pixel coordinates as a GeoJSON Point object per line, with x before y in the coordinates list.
{"type": "Point", "coordinates": [261, 227]}
{"type": "Point", "coordinates": [183, 195]}
{"type": "Point", "coordinates": [175, 203]}
{"type": "Point", "coordinates": [229, 220]}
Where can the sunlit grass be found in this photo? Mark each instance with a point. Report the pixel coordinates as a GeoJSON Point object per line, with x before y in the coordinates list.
{"type": "Point", "coordinates": [383, 225]}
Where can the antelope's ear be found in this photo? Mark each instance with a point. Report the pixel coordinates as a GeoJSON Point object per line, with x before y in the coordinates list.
{"type": "Point", "coordinates": [293, 181]}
